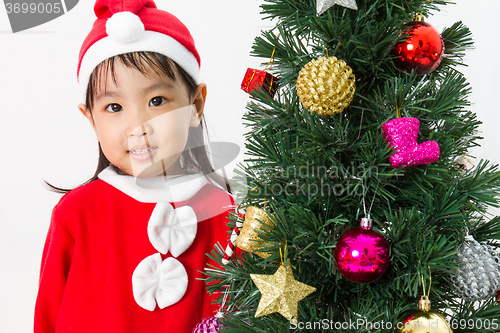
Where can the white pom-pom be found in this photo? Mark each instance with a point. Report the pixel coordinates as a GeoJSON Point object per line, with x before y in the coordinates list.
{"type": "Point", "coordinates": [172, 229]}
{"type": "Point", "coordinates": [124, 27]}
{"type": "Point", "coordinates": [156, 281]}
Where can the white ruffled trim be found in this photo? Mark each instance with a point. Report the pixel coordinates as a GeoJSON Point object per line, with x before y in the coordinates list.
{"type": "Point", "coordinates": [155, 189]}
{"type": "Point", "coordinates": [172, 229]}
{"type": "Point", "coordinates": [156, 282]}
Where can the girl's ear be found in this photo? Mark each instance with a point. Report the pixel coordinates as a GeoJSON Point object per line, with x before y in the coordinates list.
{"type": "Point", "coordinates": [86, 112]}
{"type": "Point", "coordinates": [199, 102]}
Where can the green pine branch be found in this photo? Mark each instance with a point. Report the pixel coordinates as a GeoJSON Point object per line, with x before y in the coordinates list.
{"type": "Point", "coordinates": [311, 173]}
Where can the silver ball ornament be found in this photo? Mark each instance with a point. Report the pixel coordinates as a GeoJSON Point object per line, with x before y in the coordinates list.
{"type": "Point", "coordinates": [478, 275]}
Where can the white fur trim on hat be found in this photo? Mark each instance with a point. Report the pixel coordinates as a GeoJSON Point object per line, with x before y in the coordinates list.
{"type": "Point", "coordinates": [124, 27]}
{"type": "Point", "coordinates": [152, 41]}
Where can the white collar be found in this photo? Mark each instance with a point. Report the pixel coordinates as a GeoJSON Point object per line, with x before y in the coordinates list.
{"type": "Point", "coordinates": [173, 188]}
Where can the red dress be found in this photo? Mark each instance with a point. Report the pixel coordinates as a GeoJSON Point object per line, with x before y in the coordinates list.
{"type": "Point", "coordinates": [98, 236]}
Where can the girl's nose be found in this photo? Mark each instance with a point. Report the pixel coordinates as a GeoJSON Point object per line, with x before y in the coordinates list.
{"type": "Point", "coordinates": [143, 129]}
{"type": "Point", "coordinates": [139, 125]}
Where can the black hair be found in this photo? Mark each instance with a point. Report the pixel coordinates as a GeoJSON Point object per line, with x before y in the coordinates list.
{"type": "Point", "coordinates": [194, 158]}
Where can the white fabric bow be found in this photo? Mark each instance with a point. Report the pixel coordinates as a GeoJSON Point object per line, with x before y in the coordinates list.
{"type": "Point", "coordinates": [154, 281]}
{"type": "Point", "coordinates": [172, 229]}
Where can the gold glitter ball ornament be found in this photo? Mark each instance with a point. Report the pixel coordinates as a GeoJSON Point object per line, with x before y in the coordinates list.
{"type": "Point", "coordinates": [423, 320]}
{"type": "Point", "coordinates": [280, 293]}
{"type": "Point", "coordinates": [326, 86]}
{"type": "Point", "coordinates": [248, 239]}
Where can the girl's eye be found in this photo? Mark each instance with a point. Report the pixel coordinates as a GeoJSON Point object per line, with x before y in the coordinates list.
{"type": "Point", "coordinates": [114, 107]}
{"type": "Point", "coordinates": [157, 101]}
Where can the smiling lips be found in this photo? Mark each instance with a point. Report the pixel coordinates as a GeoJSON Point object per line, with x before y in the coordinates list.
{"type": "Point", "coordinates": [142, 153]}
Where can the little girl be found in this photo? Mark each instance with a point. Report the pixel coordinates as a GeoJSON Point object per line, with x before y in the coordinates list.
{"type": "Point", "coordinates": [124, 251]}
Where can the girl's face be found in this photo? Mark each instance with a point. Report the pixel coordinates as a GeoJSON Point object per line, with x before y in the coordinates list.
{"type": "Point", "coordinates": [142, 122]}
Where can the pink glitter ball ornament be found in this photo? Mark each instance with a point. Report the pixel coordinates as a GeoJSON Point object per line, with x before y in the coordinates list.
{"type": "Point", "coordinates": [362, 255]}
{"type": "Point", "coordinates": [208, 325]}
{"type": "Point", "coordinates": [401, 134]}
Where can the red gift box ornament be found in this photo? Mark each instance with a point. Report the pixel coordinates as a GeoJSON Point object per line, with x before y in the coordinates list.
{"type": "Point", "coordinates": [256, 79]}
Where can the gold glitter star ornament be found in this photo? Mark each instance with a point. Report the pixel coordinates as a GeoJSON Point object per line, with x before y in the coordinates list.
{"type": "Point", "coordinates": [323, 5]}
{"type": "Point", "coordinates": [280, 293]}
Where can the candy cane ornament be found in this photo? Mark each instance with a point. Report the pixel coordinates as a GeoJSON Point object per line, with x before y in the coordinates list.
{"type": "Point", "coordinates": [232, 243]}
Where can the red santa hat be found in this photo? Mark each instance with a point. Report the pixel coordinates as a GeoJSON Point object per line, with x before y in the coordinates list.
{"type": "Point", "coordinates": [124, 26]}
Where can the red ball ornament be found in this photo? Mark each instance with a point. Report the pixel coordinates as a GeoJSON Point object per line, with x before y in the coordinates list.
{"type": "Point", "coordinates": [422, 51]}
{"type": "Point", "coordinates": [362, 254]}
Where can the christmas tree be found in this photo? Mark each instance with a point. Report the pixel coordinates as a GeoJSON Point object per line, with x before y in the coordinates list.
{"type": "Point", "coordinates": [370, 118]}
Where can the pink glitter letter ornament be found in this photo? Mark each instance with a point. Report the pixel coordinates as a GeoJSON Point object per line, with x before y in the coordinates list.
{"type": "Point", "coordinates": [401, 134]}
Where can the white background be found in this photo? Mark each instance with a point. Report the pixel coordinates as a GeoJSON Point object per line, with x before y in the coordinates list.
{"type": "Point", "coordinates": [44, 137]}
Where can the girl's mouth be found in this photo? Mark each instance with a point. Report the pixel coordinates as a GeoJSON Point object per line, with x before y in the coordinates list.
{"type": "Point", "coordinates": [143, 153]}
